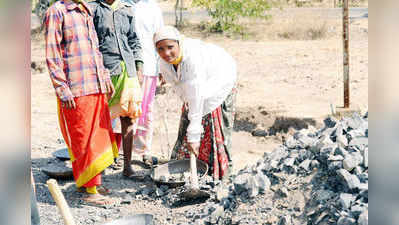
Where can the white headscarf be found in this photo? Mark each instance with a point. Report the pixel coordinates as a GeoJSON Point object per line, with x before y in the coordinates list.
{"type": "Point", "coordinates": [166, 32]}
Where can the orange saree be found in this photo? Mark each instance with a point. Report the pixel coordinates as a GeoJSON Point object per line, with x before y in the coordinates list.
{"type": "Point", "coordinates": [88, 135]}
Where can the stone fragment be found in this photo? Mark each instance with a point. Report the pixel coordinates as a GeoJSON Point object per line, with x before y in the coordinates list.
{"type": "Point", "coordinates": [291, 143]}
{"type": "Point", "coordinates": [345, 200]}
{"type": "Point", "coordinates": [289, 162]}
{"type": "Point", "coordinates": [359, 142]}
{"type": "Point", "coordinates": [283, 192]}
{"type": "Point", "coordinates": [263, 181]}
{"type": "Point", "coordinates": [329, 122]}
{"type": "Point", "coordinates": [346, 221]}
{"type": "Point", "coordinates": [221, 192]}
{"type": "Point", "coordinates": [314, 164]}
{"type": "Point", "coordinates": [335, 158]}
{"type": "Point", "coordinates": [218, 213]}
{"type": "Point", "coordinates": [259, 133]}
{"type": "Point", "coordinates": [351, 181]}
{"type": "Point", "coordinates": [366, 158]}
{"type": "Point", "coordinates": [240, 183]}
{"type": "Point", "coordinates": [305, 164]}
{"type": "Point", "coordinates": [363, 218]}
{"type": "Point", "coordinates": [357, 210]}
{"type": "Point", "coordinates": [352, 160]}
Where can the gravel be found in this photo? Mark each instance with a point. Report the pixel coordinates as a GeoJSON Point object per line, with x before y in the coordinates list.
{"type": "Point", "coordinates": [315, 177]}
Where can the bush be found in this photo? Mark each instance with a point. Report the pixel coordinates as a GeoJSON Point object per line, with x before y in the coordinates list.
{"type": "Point", "coordinates": [225, 13]}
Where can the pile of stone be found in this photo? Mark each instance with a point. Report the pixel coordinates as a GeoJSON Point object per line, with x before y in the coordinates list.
{"type": "Point", "coordinates": [315, 177]}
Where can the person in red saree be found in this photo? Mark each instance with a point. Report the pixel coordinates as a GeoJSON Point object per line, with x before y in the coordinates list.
{"type": "Point", "coordinates": [204, 75]}
{"type": "Point", "coordinates": [81, 85]}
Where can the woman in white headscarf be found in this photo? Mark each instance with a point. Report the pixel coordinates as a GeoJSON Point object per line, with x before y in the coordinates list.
{"type": "Point", "coordinates": [204, 75]}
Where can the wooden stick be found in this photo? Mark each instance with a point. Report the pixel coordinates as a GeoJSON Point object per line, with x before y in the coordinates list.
{"type": "Point", "coordinates": [60, 201]}
{"type": "Point", "coordinates": [193, 168]}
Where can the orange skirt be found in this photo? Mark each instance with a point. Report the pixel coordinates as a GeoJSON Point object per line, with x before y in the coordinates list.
{"type": "Point", "coordinates": [88, 134]}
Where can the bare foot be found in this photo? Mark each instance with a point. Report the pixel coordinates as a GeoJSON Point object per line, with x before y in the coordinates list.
{"type": "Point", "coordinates": [98, 200]}
{"type": "Point", "coordinates": [133, 175]}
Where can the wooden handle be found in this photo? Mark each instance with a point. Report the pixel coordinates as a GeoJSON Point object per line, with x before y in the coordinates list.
{"type": "Point", "coordinates": [60, 201]}
{"type": "Point", "coordinates": [193, 168]}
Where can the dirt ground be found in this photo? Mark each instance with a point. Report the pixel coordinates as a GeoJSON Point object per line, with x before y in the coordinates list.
{"type": "Point", "coordinates": [278, 77]}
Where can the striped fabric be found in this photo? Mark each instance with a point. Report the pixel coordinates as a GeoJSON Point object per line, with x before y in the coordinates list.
{"type": "Point", "coordinates": [73, 58]}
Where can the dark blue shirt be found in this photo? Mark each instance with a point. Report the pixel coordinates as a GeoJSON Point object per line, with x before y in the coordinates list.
{"type": "Point", "coordinates": [117, 36]}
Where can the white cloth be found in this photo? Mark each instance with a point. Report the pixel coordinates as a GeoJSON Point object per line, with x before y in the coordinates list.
{"type": "Point", "coordinates": [149, 19]}
{"type": "Point", "coordinates": [204, 78]}
{"type": "Point", "coordinates": [166, 32]}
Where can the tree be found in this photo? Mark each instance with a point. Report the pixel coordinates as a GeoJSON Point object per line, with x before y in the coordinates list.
{"type": "Point", "coordinates": [225, 13]}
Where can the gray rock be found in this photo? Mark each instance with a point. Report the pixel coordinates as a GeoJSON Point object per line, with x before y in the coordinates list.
{"type": "Point", "coordinates": [289, 162]}
{"type": "Point", "coordinates": [273, 164]}
{"type": "Point", "coordinates": [351, 181]}
{"type": "Point", "coordinates": [364, 177]}
{"type": "Point", "coordinates": [218, 213]}
{"type": "Point", "coordinates": [240, 183]}
{"type": "Point", "coordinates": [252, 187]}
{"type": "Point", "coordinates": [329, 122]}
{"type": "Point", "coordinates": [278, 154]}
{"type": "Point", "coordinates": [360, 142]}
{"type": "Point", "coordinates": [164, 188]}
{"type": "Point", "coordinates": [259, 133]}
{"type": "Point", "coordinates": [322, 142]}
{"type": "Point", "coordinates": [221, 192]}
{"type": "Point", "coordinates": [357, 133]}
{"type": "Point", "coordinates": [355, 121]}
{"type": "Point", "coordinates": [340, 151]}
{"type": "Point", "coordinates": [283, 192]}
{"type": "Point", "coordinates": [284, 220]}
{"type": "Point", "coordinates": [366, 158]}
{"type": "Point", "coordinates": [314, 164]}
{"type": "Point", "coordinates": [352, 160]}
{"type": "Point", "coordinates": [342, 141]}
{"type": "Point", "coordinates": [334, 165]}
{"type": "Point", "coordinates": [304, 154]}
{"type": "Point", "coordinates": [291, 142]}
{"type": "Point", "coordinates": [358, 170]}
{"type": "Point", "coordinates": [357, 210]}
{"type": "Point", "coordinates": [159, 192]}
{"type": "Point", "coordinates": [263, 181]}
{"type": "Point", "coordinates": [335, 158]}
{"type": "Point", "coordinates": [321, 196]}
{"type": "Point", "coordinates": [147, 191]}
{"type": "Point", "coordinates": [346, 221]}
{"type": "Point", "coordinates": [306, 142]}
{"type": "Point", "coordinates": [363, 218]}
{"type": "Point", "coordinates": [346, 200]}
{"type": "Point", "coordinates": [305, 164]}
{"type": "Point", "coordinates": [363, 187]}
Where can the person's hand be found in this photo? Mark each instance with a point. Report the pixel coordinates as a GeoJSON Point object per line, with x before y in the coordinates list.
{"type": "Point", "coordinates": [110, 89]}
{"type": "Point", "coordinates": [69, 104]}
{"type": "Point", "coordinates": [161, 80]}
{"type": "Point", "coordinates": [140, 76]}
{"type": "Point", "coordinates": [194, 147]}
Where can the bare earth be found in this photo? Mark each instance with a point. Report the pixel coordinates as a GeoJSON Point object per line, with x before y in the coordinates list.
{"type": "Point", "coordinates": [277, 77]}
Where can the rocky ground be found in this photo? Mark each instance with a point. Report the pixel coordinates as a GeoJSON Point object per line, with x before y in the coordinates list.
{"type": "Point", "coordinates": [284, 85]}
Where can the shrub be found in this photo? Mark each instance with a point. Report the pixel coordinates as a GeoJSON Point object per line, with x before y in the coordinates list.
{"type": "Point", "coordinates": [225, 13]}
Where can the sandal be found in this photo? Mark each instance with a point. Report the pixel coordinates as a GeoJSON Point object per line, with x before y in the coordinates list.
{"type": "Point", "coordinates": [98, 200]}
{"type": "Point", "coordinates": [100, 189]}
